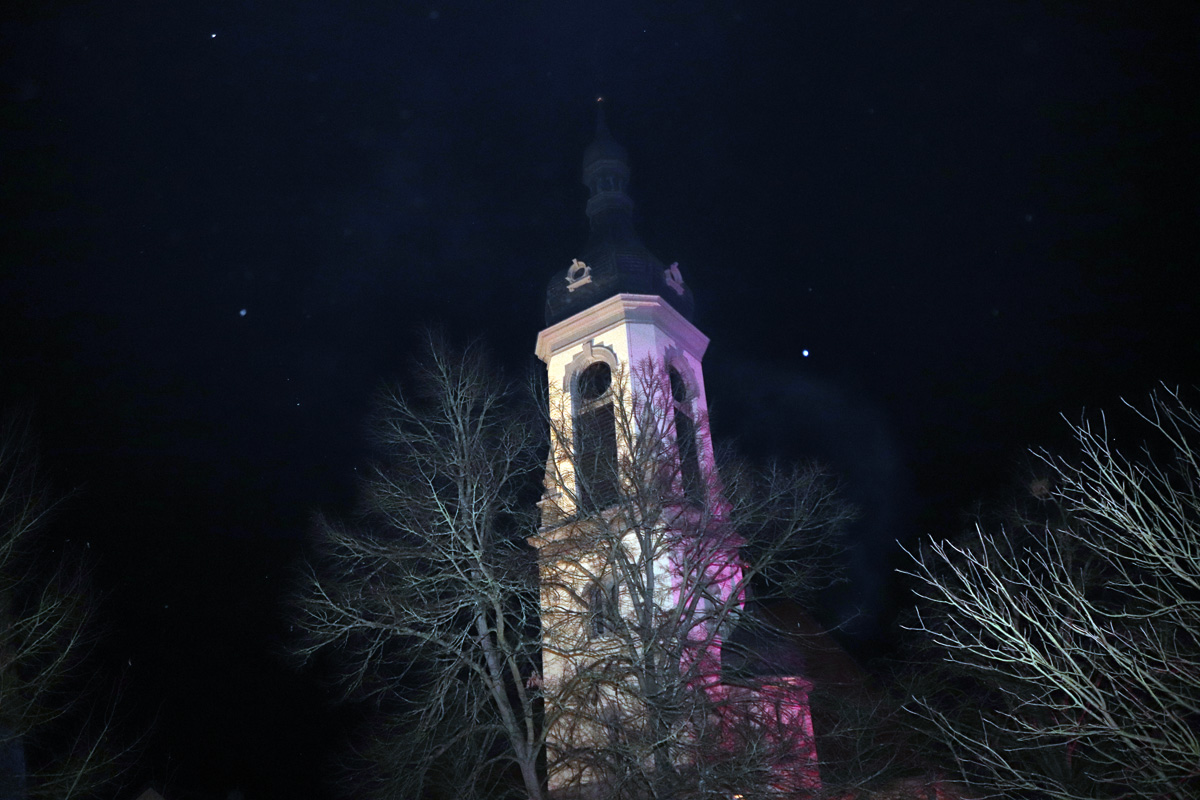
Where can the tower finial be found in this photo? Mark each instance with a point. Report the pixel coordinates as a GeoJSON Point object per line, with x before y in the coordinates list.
{"type": "Point", "coordinates": [601, 123]}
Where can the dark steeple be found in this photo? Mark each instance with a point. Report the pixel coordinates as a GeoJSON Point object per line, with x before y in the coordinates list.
{"type": "Point", "coordinates": [614, 260]}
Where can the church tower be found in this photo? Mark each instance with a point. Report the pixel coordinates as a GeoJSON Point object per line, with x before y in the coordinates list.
{"type": "Point", "coordinates": [613, 314]}
{"type": "Point", "coordinates": [630, 461]}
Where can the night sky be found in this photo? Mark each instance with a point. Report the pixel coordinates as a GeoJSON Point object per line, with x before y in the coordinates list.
{"type": "Point", "coordinates": [225, 223]}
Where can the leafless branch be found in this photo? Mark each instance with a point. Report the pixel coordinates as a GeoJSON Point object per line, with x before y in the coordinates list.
{"type": "Point", "coordinates": [47, 630]}
{"type": "Point", "coordinates": [639, 700]}
{"type": "Point", "coordinates": [1087, 631]}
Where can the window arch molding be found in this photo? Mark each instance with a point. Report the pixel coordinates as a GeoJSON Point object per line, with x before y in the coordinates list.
{"type": "Point", "coordinates": [590, 354]}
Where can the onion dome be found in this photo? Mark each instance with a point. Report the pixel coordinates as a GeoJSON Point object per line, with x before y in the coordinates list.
{"type": "Point", "coordinates": [614, 260]}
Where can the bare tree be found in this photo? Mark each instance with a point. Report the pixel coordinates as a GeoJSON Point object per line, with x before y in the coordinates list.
{"type": "Point", "coordinates": [430, 601]}
{"type": "Point", "coordinates": [659, 679]}
{"type": "Point", "coordinates": [54, 741]}
{"type": "Point", "coordinates": [1082, 636]}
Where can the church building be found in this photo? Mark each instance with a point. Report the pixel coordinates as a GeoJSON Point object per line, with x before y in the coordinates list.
{"type": "Point", "coordinates": [641, 576]}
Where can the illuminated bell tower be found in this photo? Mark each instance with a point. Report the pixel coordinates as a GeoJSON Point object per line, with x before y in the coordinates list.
{"type": "Point", "coordinates": [615, 310]}
{"type": "Point", "coordinates": [615, 315]}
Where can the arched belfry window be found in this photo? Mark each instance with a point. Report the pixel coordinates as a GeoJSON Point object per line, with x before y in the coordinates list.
{"type": "Point", "coordinates": [595, 438]}
{"type": "Point", "coordinates": [690, 479]}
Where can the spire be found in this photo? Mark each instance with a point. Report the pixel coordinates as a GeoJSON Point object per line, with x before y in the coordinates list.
{"type": "Point", "coordinates": [606, 173]}
{"type": "Point", "coordinates": [603, 145]}
{"type": "Point", "coordinates": [614, 260]}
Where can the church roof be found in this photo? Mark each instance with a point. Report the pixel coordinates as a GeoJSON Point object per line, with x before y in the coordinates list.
{"type": "Point", "coordinates": [780, 638]}
{"type": "Point", "coordinates": [614, 260]}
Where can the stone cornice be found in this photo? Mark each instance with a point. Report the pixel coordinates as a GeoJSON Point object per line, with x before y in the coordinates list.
{"type": "Point", "coordinates": [621, 308]}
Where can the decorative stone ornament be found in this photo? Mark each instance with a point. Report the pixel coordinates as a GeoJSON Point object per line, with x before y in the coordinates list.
{"type": "Point", "coordinates": [578, 274]}
{"type": "Point", "coordinates": [673, 277]}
